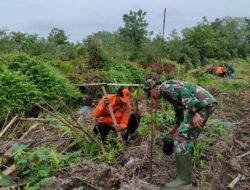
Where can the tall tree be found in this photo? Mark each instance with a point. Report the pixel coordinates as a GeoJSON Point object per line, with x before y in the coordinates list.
{"type": "Point", "coordinates": [201, 37]}
{"type": "Point", "coordinates": [135, 29]}
{"type": "Point", "coordinates": [58, 36]}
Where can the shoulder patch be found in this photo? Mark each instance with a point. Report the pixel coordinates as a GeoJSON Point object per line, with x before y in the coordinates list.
{"type": "Point", "coordinates": [127, 111]}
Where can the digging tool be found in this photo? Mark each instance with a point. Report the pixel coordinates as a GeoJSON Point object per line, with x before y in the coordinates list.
{"type": "Point", "coordinates": [113, 116]}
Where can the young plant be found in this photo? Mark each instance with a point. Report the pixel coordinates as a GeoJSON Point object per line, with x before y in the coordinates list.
{"type": "Point", "coordinates": [34, 164]}
{"type": "Point", "coordinates": [199, 149]}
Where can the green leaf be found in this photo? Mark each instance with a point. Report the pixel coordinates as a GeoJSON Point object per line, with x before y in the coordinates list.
{"type": "Point", "coordinates": [5, 181]}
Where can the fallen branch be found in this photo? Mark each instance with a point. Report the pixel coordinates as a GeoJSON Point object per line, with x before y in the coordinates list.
{"type": "Point", "coordinates": [235, 180]}
{"type": "Point", "coordinates": [243, 155]}
{"type": "Point", "coordinates": [9, 125]}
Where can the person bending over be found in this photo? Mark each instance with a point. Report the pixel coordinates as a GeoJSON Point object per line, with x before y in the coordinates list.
{"type": "Point", "coordinates": [192, 105]}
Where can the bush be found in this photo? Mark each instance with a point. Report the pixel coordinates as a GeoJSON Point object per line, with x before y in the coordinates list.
{"type": "Point", "coordinates": [123, 72]}
{"type": "Point", "coordinates": [25, 81]}
{"type": "Point", "coordinates": [17, 93]}
{"type": "Point", "coordinates": [47, 79]}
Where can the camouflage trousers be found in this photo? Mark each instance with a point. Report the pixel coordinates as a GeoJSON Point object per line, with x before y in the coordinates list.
{"type": "Point", "coordinates": [187, 133]}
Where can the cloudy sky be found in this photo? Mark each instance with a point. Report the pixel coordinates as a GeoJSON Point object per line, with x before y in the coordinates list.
{"type": "Point", "coordinates": [80, 18]}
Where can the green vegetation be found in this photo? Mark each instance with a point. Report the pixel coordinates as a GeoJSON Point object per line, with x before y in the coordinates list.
{"type": "Point", "coordinates": [35, 70]}
{"type": "Point", "coordinates": [219, 128]}
{"type": "Point", "coordinates": [123, 72]}
{"type": "Point", "coordinates": [26, 81]}
{"type": "Point", "coordinates": [38, 163]}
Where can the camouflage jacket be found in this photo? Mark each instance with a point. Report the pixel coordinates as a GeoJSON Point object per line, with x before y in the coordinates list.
{"type": "Point", "coordinates": [185, 96]}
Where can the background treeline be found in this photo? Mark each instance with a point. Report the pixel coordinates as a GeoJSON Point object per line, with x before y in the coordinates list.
{"type": "Point", "coordinates": [34, 69]}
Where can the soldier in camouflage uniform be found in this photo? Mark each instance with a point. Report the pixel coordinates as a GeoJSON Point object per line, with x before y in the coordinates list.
{"type": "Point", "coordinates": [192, 105]}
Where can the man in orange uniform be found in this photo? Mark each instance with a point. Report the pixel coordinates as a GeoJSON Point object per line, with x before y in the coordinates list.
{"type": "Point", "coordinates": [121, 105]}
{"type": "Point", "coordinates": [220, 71]}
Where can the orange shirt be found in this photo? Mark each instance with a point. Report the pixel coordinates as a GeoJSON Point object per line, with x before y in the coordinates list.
{"type": "Point", "coordinates": [122, 113]}
{"type": "Point", "coordinates": [219, 70]}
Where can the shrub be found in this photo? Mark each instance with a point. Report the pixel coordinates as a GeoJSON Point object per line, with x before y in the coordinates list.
{"type": "Point", "coordinates": [123, 72]}
{"type": "Point", "coordinates": [17, 93]}
{"type": "Point", "coordinates": [47, 79]}
{"type": "Point", "coordinates": [25, 81]}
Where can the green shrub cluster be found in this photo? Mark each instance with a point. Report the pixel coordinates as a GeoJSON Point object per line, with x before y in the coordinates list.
{"type": "Point", "coordinates": [25, 81]}
{"type": "Point", "coordinates": [17, 93]}
{"type": "Point", "coordinates": [123, 72]}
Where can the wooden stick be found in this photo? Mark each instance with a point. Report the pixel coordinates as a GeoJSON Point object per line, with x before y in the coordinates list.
{"type": "Point", "coordinates": [27, 132]}
{"type": "Point", "coordinates": [110, 84]}
{"type": "Point", "coordinates": [9, 125]}
{"type": "Point", "coordinates": [243, 155]}
{"type": "Point", "coordinates": [78, 125]}
{"type": "Point", "coordinates": [113, 116]}
{"type": "Point", "coordinates": [34, 119]}
{"type": "Point", "coordinates": [71, 125]}
{"type": "Point", "coordinates": [68, 147]}
{"type": "Point", "coordinates": [9, 170]}
{"type": "Point", "coordinates": [235, 180]}
{"type": "Point", "coordinates": [153, 118]}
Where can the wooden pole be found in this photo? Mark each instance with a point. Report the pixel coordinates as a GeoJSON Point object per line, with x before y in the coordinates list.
{"type": "Point", "coordinates": [113, 116]}
{"type": "Point", "coordinates": [153, 117]}
{"type": "Point", "coordinates": [109, 84]}
{"type": "Point", "coordinates": [162, 40]}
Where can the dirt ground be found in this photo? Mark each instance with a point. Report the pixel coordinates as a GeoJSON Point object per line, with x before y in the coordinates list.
{"type": "Point", "coordinates": [132, 169]}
